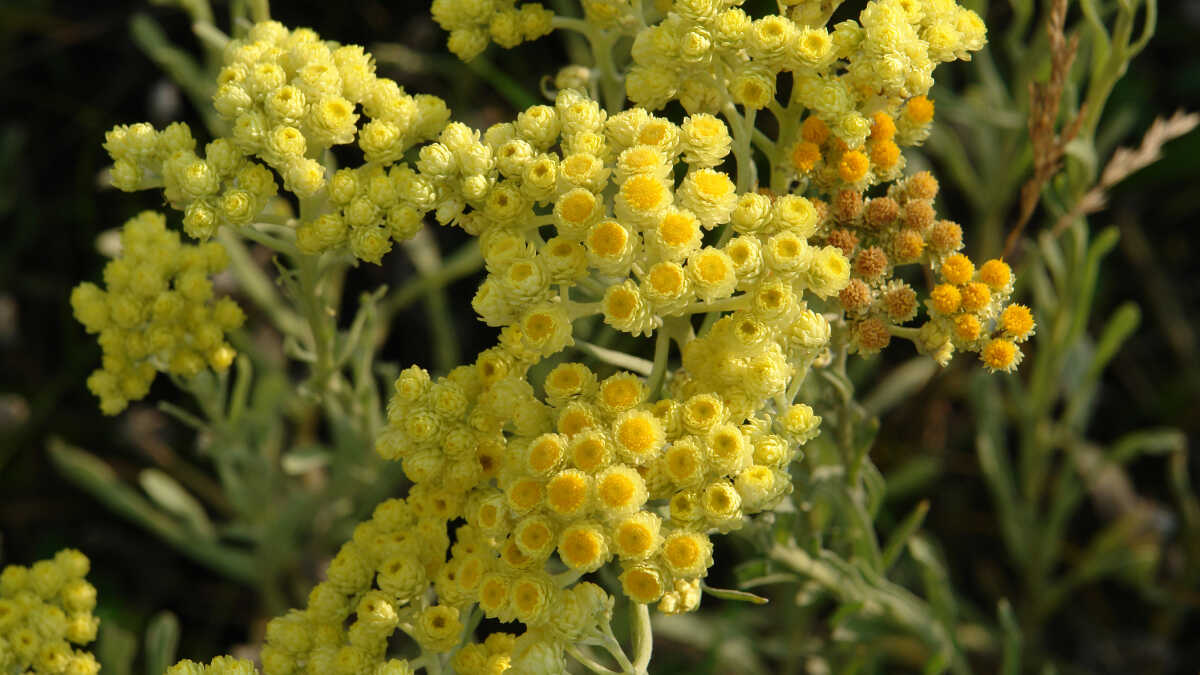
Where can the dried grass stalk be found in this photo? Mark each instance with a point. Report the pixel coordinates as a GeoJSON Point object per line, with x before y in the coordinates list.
{"type": "Point", "coordinates": [1128, 161]}
{"type": "Point", "coordinates": [1045, 100]}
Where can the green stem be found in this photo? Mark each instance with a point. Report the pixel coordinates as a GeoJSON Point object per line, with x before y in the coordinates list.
{"type": "Point", "coordinates": [662, 352]}
{"type": "Point", "coordinates": [643, 637]}
{"type": "Point", "coordinates": [320, 322]}
{"type": "Point", "coordinates": [260, 10]}
{"type": "Point", "coordinates": [619, 359]}
{"type": "Point", "coordinates": [96, 477]}
{"type": "Point", "coordinates": [611, 84]}
{"type": "Point", "coordinates": [743, 131]}
{"type": "Point", "coordinates": [588, 662]}
{"type": "Point", "coordinates": [258, 286]}
{"type": "Point", "coordinates": [613, 646]}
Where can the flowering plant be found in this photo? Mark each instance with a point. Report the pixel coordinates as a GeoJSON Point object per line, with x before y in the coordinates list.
{"type": "Point", "coordinates": [733, 187]}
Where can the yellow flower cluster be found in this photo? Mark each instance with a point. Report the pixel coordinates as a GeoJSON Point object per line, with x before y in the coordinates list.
{"type": "Point", "coordinates": [378, 583]}
{"type": "Point", "coordinates": [866, 80]}
{"type": "Point", "coordinates": [157, 312]}
{"type": "Point", "coordinates": [829, 165]}
{"type": "Point", "coordinates": [288, 96]}
{"type": "Point", "coordinates": [967, 311]}
{"type": "Point", "coordinates": [705, 53]}
{"type": "Point", "coordinates": [44, 610]}
{"type": "Point", "coordinates": [524, 480]}
{"type": "Point", "coordinates": [622, 222]}
{"type": "Point", "coordinates": [473, 24]}
{"type": "Point", "coordinates": [225, 187]}
{"type": "Point", "coordinates": [370, 206]}
{"type": "Point", "coordinates": [222, 665]}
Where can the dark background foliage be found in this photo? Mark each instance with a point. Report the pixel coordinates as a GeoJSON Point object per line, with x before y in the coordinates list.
{"type": "Point", "coordinates": [70, 72]}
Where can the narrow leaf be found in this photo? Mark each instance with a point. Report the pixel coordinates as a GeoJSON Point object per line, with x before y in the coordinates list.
{"type": "Point", "coordinates": [162, 640]}
{"type": "Point", "coordinates": [173, 497]}
{"type": "Point", "coordinates": [730, 594]}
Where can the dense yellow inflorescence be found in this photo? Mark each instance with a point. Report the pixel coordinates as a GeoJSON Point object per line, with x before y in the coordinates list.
{"type": "Point", "coordinates": [45, 612]}
{"type": "Point", "coordinates": [474, 24]}
{"type": "Point", "coordinates": [157, 312]}
{"type": "Point", "coordinates": [527, 479]}
{"type": "Point", "coordinates": [289, 96]}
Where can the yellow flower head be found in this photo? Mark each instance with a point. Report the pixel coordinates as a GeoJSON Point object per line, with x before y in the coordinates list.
{"type": "Point", "coordinates": [569, 492]}
{"type": "Point", "coordinates": [687, 553]}
{"type": "Point", "coordinates": [643, 583]}
{"type": "Point", "coordinates": [975, 296]}
{"type": "Point", "coordinates": [636, 537]}
{"type": "Point", "coordinates": [638, 435]}
{"type": "Point", "coordinates": [532, 595]}
{"type": "Point", "coordinates": [583, 547]}
{"type": "Point", "coordinates": [919, 110]}
{"type": "Point", "coordinates": [535, 536]}
{"type": "Point", "coordinates": [1017, 322]}
{"type": "Point", "coordinates": [1000, 354]}
{"type": "Point", "coordinates": [814, 130]}
{"type": "Point", "coordinates": [945, 299]}
{"type": "Point", "coordinates": [853, 166]}
{"type": "Point", "coordinates": [545, 454]}
{"type": "Point", "coordinates": [805, 156]}
{"type": "Point", "coordinates": [620, 490]}
{"type": "Point", "coordinates": [996, 274]}
{"type": "Point", "coordinates": [957, 269]}
{"type": "Point", "coordinates": [967, 327]}
{"type": "Point", "coordinates": [575, 418]}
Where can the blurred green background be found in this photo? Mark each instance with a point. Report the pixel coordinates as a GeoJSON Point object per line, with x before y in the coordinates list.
{"type": "Point", "coordinates": [70, 72]}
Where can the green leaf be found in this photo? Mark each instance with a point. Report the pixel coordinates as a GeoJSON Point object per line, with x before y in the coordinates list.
{"type": "Point", "coordinates": [1147, 442]}
{"type": "Point", "coordinates": [1120, 326]}
{"type": "Point", "coordinates": [95, 477]}
{"type": "Point", "coordinates": [875, 486]}
{"type": "Point", "coordinates": [162, 641]}
{"type": "Point", "coordinates": [116, 648]}
{"type": "Point", "coordinates": [173, 497]}
{"type": "Point", "coordinates": [901, 383]}
{"type": "Point", "coordinates": [749, 571]}
{"type": "Point", "coordinates": [1101, 245]}
{"type": "Point", "coordinates": [767, 580]}
{"type": "Point", "coordinates": [304, 459]}
{"type": "Point", "coordinates": [904, 531]}
{"type": "Point", "coordinates": [177, 63]}
{"type": "Point", "coordinates": [914, 477]}
{"type": "Point", "coordinates": [730, 594]}
{"type": "Point", "coordinates": [1082, 150]}
{"type": "Point", "coordinates": [997, 468]}
{"type": "Point", "coordinates": [1011, 631]}
{"type": "Point", "coordinates": [936, 580]}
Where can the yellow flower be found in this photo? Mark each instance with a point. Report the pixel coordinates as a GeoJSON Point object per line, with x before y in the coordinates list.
{"type": "Point", "coordinates": [1000, 355]}
{"type": "Point", "coordinates": [636, 537]}
{"type": "Point", "coordinates": [945, 299]}
{"type": "Point", "coordinates": [620, 490]}
{"type": "Point", "coordinates": [957, 269]}
{"type": "Point", "coordinates": [853, 166]}
{"type": "Point", "coordinates": [687, 553]}
{"type": "Point", "coordinates": [1017, 322]}
{"type": "Point", "coordinates": [583, 547]}
{"type": "Point", "coordinates": [919, 110]}
{"type": "Point", "coordinates": [643, 583]}
{"type": "Point", "coordinates": [638, 436]}
{"type": "Point", "coordinates": [569, 492]}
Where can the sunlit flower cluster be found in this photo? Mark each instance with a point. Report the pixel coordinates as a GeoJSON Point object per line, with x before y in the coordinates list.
{"type": "Point", "coordinates": [157, 312]}
{"type": "Point", "coordinates": [531, 469]}
{"type": "Point", "coordinates": [45, 612]}
{"type": "Point", "coordinates": [288, 96]}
